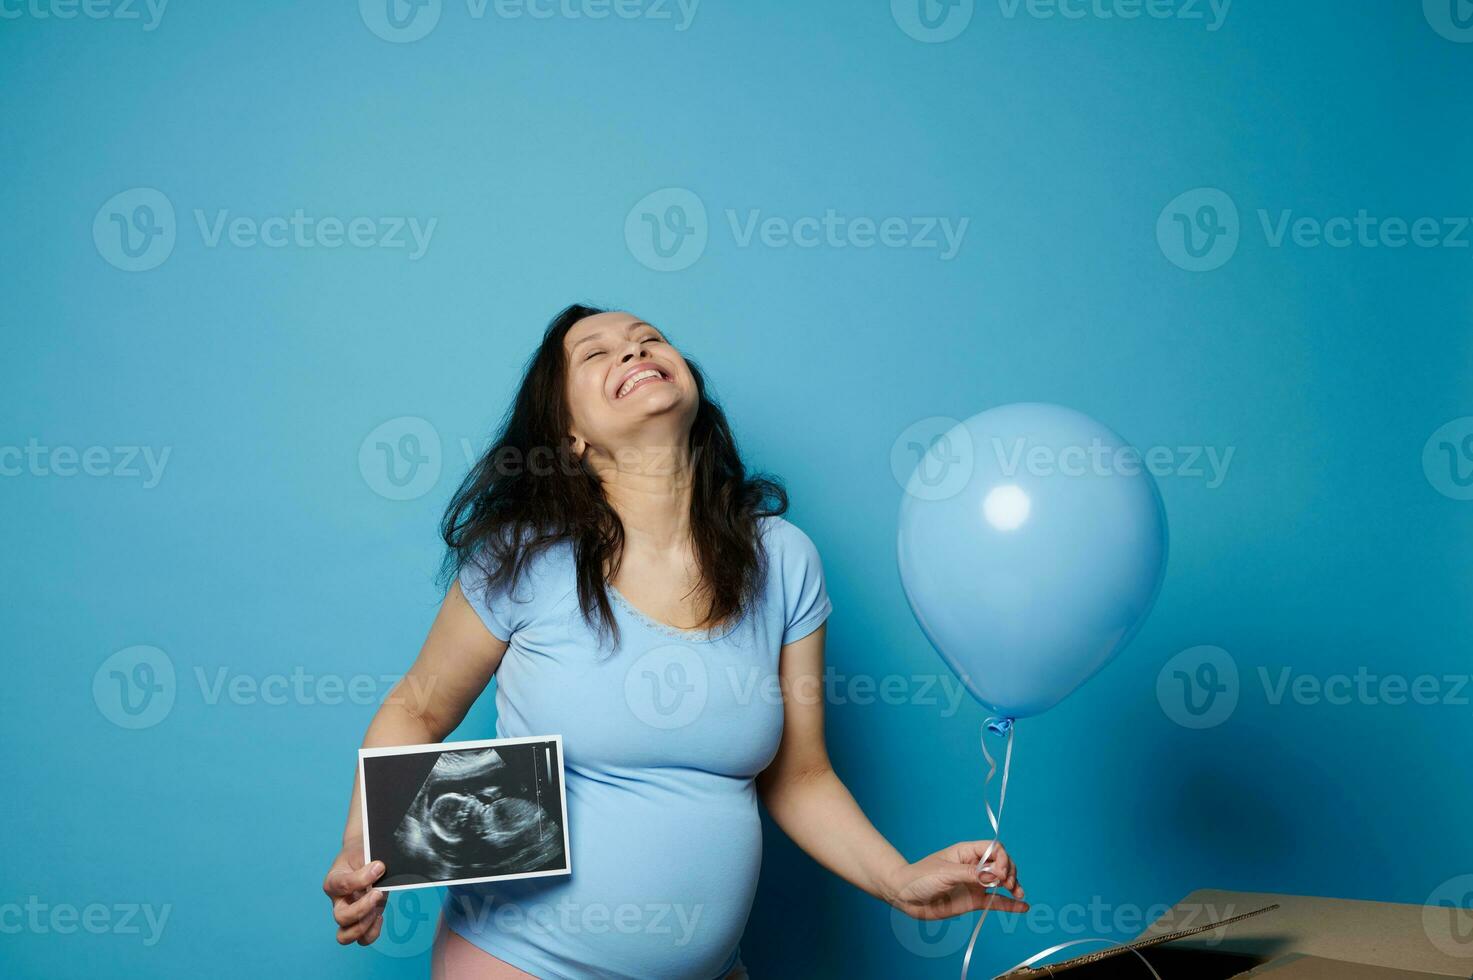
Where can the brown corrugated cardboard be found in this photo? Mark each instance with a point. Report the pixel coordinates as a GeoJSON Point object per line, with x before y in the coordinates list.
{"type": "Point", "coordinates": [1297, 966]}
{"type": "Point", "coordinates": [1282, 937]}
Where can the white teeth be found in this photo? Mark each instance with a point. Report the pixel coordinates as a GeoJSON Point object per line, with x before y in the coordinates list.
{"type": "Point", "coordinates": [635, 378]}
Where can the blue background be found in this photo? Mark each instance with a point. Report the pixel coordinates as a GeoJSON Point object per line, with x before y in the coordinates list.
{"type": "Point", "coordinates": [265, 548]}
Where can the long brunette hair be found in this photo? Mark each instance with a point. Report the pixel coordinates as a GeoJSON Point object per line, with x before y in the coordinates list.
{"type": "Point", "coordinates": [529, 492]}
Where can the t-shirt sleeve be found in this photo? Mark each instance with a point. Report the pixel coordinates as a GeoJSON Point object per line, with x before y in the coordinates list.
{"type": "Point", "coordinates": [805, 597]}
{"type": "Point", "coordinates": [499, 610]}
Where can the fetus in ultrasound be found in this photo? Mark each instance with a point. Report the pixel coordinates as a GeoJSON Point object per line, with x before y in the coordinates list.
{"type": "Point", "coordinates": [477, 816]}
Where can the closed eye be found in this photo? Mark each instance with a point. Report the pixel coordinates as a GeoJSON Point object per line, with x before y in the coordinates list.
{"type": "Point", "coordinates": [593, 355]}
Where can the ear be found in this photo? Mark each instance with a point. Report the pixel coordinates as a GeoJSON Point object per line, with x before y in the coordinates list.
{"type": "Point", "coordinates": [576, 445]}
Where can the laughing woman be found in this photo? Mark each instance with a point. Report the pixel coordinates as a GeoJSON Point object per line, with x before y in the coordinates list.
{"type": "Point", "coordinates": [631, 588]}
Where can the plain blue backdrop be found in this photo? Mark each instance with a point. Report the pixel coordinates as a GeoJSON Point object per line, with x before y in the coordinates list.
{"type": "Point", "coordinates": [269, 547]}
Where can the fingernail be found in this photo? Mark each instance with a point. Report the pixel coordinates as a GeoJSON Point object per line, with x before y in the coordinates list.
{"type": "Point", "coordinates": [378, 867]}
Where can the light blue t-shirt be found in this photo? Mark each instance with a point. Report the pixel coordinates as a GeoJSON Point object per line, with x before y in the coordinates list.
{"type": "Point", "coordinates": [662, 738]}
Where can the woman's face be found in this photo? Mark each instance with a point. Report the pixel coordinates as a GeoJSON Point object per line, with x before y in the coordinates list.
{"type": "Point", "coordinates": [626, 386]}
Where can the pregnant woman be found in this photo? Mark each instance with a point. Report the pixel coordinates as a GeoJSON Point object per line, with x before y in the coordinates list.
{"type": "Point", "coordinates": [634, 590]}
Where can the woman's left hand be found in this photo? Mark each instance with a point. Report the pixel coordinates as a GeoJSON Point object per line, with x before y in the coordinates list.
{"type": "Point", "coordinates": [948, 883]}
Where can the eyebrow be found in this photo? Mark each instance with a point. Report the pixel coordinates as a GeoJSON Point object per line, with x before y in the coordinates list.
{"type": "Point", "coordinates": [599, 335]}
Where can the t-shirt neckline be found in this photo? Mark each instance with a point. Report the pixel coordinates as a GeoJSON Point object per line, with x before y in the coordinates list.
{"type": "Point", "coordinates": [693, 636]}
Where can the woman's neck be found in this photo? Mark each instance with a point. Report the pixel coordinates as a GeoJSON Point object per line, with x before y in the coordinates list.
{"type": "Point", "coordinates": [650, 489]}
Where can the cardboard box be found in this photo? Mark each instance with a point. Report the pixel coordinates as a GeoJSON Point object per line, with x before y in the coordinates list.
{"type": "Point", "coordinates": [1276, 937]}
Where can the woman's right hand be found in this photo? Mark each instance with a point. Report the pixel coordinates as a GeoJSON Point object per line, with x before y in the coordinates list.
{"type": "Point", "coordinates": [357, 907]}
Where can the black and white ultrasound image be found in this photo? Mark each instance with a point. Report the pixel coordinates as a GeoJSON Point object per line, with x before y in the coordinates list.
{"type": "Point", "coordinates": [438, 816]}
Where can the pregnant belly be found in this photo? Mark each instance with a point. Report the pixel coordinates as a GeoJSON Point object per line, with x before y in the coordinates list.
{"type": "Point", "coordinates": [664, 869]}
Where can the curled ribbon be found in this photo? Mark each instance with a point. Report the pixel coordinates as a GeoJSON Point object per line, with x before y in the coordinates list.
{"type": "Point", "coordinates": [1004, 727]}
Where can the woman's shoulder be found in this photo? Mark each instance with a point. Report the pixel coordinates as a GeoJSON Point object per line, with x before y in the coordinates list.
{"type": "Point", "coordinates": [539, 566]}
{"type": "Point", "coordinates": [799, 578]}
{"type": "Point", "coordinates": [787, 542]}
{"type": "Point", "coordinates": [512, 602]}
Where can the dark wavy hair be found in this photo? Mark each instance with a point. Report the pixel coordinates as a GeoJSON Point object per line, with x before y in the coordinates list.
{"type": "Point", "coordinates": [529, 492]}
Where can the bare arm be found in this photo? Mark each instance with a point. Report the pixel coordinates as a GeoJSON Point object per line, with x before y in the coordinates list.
{"type": "Point", "coordinates": [813, 806]}
{"type": "Point", "coordinates": [454, 666]}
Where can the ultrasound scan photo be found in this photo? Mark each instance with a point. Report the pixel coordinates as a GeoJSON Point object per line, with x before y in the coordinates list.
{"type": "Point", "coordinates": [465, 811]}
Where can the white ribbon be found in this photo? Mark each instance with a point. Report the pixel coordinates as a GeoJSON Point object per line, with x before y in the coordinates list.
{"type": "Point", "coordinates": [1004, 726]}
{"type": "Point", "coordinates": [1000, 726]}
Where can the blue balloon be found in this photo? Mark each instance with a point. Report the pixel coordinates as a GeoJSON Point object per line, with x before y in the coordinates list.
{"type": "Point", "coordinates": [1032, 545]}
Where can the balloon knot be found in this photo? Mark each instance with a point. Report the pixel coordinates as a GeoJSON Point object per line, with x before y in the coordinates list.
{"type": "Point", "coordinates": [999, 726]}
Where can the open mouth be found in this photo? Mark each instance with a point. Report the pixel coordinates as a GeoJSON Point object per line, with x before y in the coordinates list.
{"type": "Point", "coordinates": [642, 378]}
